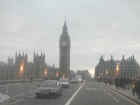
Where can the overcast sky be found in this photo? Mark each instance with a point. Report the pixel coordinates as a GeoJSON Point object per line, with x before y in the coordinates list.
{"type": "Point", "coordinates": [96, 27]}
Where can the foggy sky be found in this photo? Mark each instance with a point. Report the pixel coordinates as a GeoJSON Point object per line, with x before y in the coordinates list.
{"type": "Point", "coordinates": [96, 27]}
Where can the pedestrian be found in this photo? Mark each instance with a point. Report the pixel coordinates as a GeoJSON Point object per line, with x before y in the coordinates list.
{"type": "Point", "coordinates": [116, 82]}
{"type": "Point", "coordinates": [137, 88]}
{"type": "Point", "coordinates": [134, 87]}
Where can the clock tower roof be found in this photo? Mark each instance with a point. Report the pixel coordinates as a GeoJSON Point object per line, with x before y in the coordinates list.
{"type": "Point", "coordinates": [65, 35]}
{"type": "Point", "coordinates": [65, 29]}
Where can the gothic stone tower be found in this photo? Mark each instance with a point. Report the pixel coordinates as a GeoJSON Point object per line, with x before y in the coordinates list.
{"type": "Point", "coordinates": [38, 65]}
{"type": "Point", "coordinates": [20, 59]}
{"type": "Point", "coordinates": [64, 60]}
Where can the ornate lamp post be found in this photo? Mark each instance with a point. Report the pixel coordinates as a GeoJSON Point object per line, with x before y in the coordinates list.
{"type": "Point", "coordinates": [46, 73]}
{"type": "Point", "coordinates": [117, 70]}
{"type": "Point", "coordinates": [21, 70]}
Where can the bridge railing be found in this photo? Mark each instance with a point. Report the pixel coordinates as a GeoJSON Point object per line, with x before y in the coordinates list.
{"type": "Point", "coordinates": [18, 81]}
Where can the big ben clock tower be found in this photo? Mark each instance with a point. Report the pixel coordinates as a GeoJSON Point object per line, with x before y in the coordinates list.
{"type": "Point", "coordinates": [64, 60]}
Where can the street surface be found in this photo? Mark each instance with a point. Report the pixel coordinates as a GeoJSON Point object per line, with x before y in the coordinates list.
{"type": "Point", "coordinates": [88, 93]}
{"type": "Point", "coordinates": [17, 89]}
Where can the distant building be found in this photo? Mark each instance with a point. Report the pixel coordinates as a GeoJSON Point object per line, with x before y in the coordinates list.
{"type": "Point", "coordinates": [2, 63]}
{"type": "Point", "coordinates": [85, 74]}
{"type": "Point", "coordinates": [3, 70]}
{"type": "Point", "coordinates": [129, 68]}
{"type": "Point", "coordinates": [19, 68]}
{"type": "Point", "coordinates": [38, 65]}
{"type": "Point", "coordinates": [64, 44]}
{"type": "Point", "coordinates": [10, 61]}
{"type": "Point", "coordinates": [112, 69]}
{"type": "Point", "coordinates": [21, 59]}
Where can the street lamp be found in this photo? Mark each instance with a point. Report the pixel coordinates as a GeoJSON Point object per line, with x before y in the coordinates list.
{"type": "Point", "coordinates": [117, 68]}
{"type": "Point", "coordinates": [46, 72]}
{"type": "Point", "coordinates": [21, 69]}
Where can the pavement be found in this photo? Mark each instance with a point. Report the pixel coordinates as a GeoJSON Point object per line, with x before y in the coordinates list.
{"type": "Point", "coordinates": [126, 92]}
{"type": "Point", "coordinates": [87, 93]}
{"type": "Point", "coordinates": [97, 94]}
{"type": "Point", "coordinates": [16, 89]}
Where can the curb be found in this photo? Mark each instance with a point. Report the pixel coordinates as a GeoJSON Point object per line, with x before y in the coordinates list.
{"type": "Point", "coordinates": [133, 99]}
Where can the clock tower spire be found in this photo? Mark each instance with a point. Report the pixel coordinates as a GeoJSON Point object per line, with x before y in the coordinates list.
{"type": "Point", "coordinates": [65, 30]}
{"type": "Point", "coordinates": [64, 53]}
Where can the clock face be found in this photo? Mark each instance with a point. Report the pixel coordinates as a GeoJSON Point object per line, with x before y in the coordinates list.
{"type": "Point", "coordinates": [64, 43]}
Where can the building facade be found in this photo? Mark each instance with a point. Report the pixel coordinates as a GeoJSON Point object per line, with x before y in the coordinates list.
{"type": "Point", "coordinates": [21, 59]}
{"type": "Point", "coordinates": [117, 69]}
{"type": "Point", "coordinates": [64, 60]}
{"type": "Point", "coordinates": [39, 65]}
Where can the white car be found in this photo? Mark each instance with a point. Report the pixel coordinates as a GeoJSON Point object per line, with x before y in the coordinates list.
{"type": "Point", "coordinates": [80, 79]}
{"type": "Point", "coordinates": [64, 83]}
{"type": "Point", "coordinates": [49, 88]}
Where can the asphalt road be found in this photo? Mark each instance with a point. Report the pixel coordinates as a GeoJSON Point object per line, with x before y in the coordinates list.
{"type": "Point", "coordinates": [18, 89]}
{"type": "Point", "coordinates": [99, 94]}
{"type": "Point", "coordinates": [32, 100]}
{"type": "Point", "coordinates": [88, 93]}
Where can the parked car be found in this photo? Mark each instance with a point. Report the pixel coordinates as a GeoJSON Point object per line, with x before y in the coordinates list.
{"type": "Point", "coordinates": [49, 88]}
{"type": "Point", "coordinates": [64, 83]}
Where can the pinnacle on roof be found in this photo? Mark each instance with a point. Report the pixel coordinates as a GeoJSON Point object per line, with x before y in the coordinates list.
{"type": "Point", "coordinates": [65, 29]}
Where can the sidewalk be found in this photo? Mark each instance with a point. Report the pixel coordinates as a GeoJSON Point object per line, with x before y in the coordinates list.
{"type": "Point", "coordinates": [126, 92]}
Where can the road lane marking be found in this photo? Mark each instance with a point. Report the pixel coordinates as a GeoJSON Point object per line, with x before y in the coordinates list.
{"type": "Point", "coordinates": [73, 96]}
{"type": "Point", "coordinates": [125, 98]}
{"type": "Point", "coordinates": [114, 98]}
{"type": "Point", "coordinates": [17, 101]}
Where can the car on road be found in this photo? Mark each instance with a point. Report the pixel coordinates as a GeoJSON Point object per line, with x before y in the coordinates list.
{"type": "Point", "coordinates": [49, 88]}
{"type": "Point", "coordinates": [79, 78]}
{"type": "Point", "coordinates": [64, 83]}
{"type": "Point", "coordinates": [74, 80]}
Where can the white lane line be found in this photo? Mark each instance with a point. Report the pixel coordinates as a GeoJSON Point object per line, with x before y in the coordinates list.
{"type": "Point", "coordinates": [125, 98]}
{"type": "Point", "coordinates": [114, 98]}
{"type": "Point", "coordinates": [73, 96]}
{"type": "Point", "coordinates": [17, 101]}
{"type": "Point", "coordinates": [111, 95]}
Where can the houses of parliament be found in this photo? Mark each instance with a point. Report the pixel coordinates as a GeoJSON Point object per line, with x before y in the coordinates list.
{"type": "Point", "coordinates": [38, 68]}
